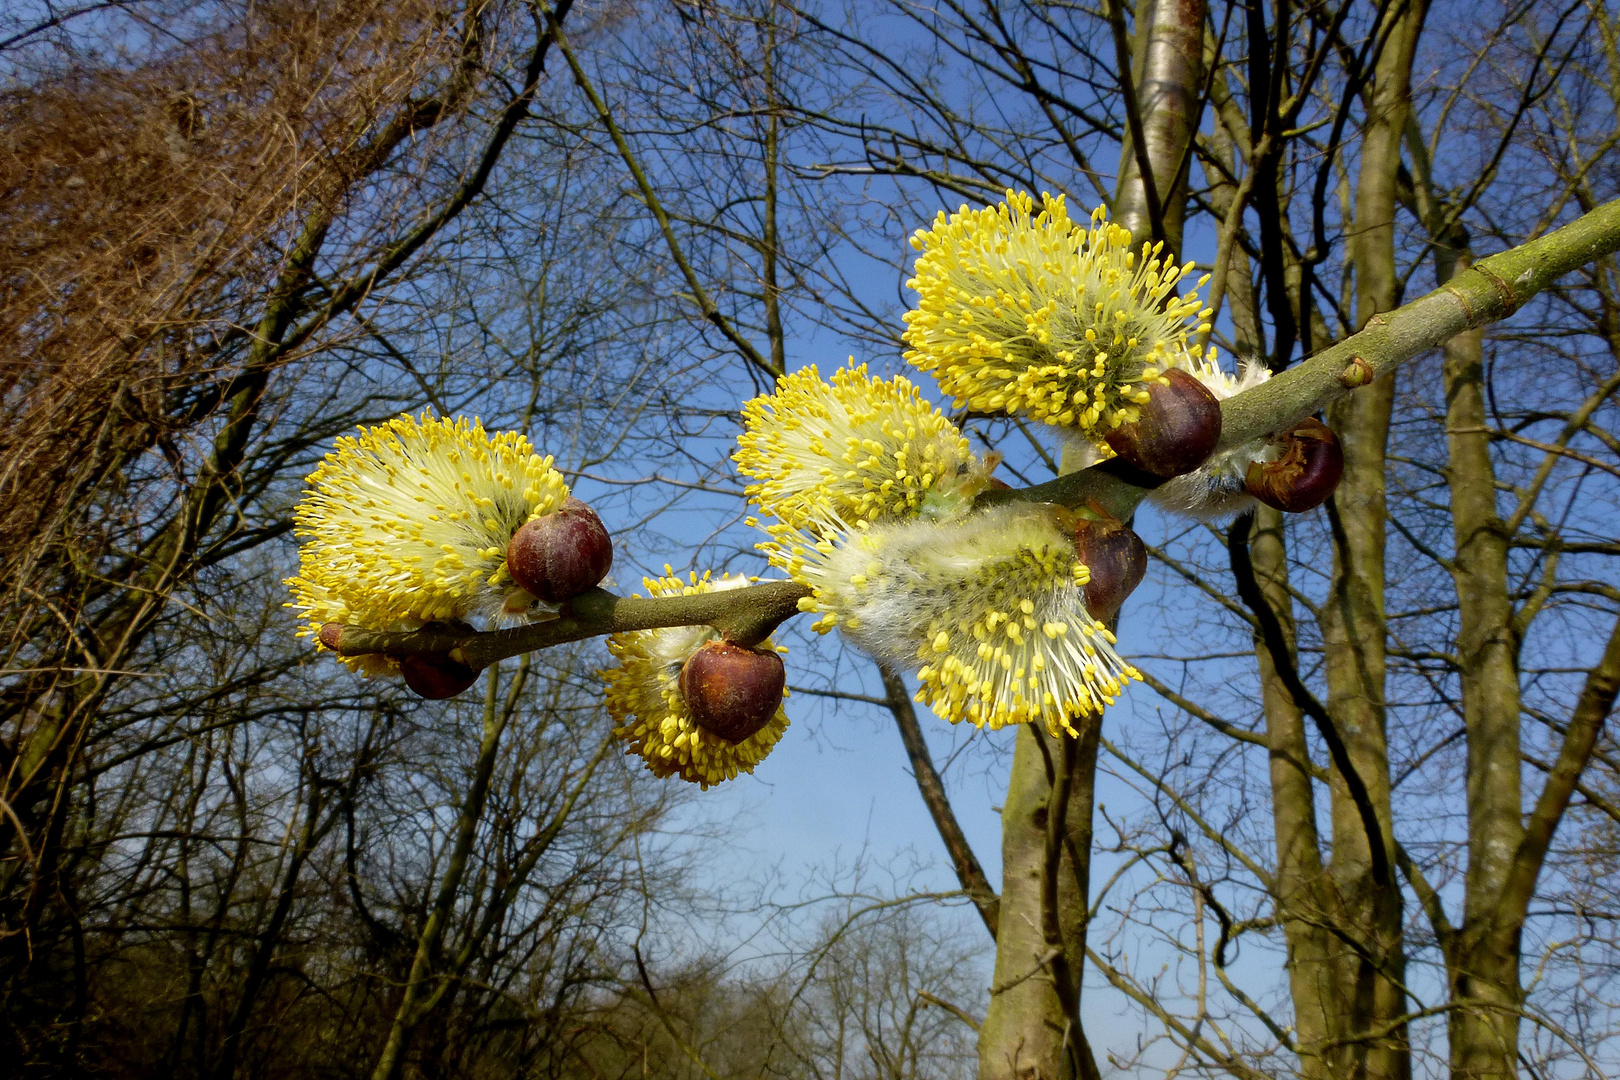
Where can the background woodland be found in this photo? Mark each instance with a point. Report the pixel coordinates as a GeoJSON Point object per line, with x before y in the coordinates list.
{"type": "Point", "coordinates": [231, 231]}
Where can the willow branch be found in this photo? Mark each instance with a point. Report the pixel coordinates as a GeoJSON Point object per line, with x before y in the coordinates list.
{"type": "Point", "coordinates": [1490, 290]}
{"type": "Point", "coordinates": [746, 616]}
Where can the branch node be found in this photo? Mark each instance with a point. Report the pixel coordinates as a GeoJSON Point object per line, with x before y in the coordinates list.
{"type": "Point", "coordinates": [1510, 299]}
{"type": "Point", "coordinates": [1462, 298]}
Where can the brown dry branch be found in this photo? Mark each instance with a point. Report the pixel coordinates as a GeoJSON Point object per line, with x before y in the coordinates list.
{"type": "Point", "coordinates": [160, 266]}
{"type": "Point", "coordinates": [145, 213]}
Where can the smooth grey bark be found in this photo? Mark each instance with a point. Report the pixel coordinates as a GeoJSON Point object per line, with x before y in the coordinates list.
{"type": "Point", "coordinates": [1354, 631]}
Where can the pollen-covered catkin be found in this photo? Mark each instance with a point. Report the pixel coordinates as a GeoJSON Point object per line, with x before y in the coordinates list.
{"type": "Point", "coordinates": [1030, 313]}
{"type": "Point", "coordinates": [650, 715]}
{"type": "Point", "coordinates": [856, 447]}
{"type": "Point", "coordinates": [408, 523]}
{"type": "Point", "coordinates": [987, 608]}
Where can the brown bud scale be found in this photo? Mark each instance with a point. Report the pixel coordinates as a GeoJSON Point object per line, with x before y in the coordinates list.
{"type": "Point", "coordinates": [561, 554]}
{"type": "Point", "coordinates": [732, 691]}
{"type": "Point", "coordinates": [1179, 425]}
{"type": "Point", "coordinates": [1305, 475]}
{"type": "Point", "coordinates": [1357, 373]}
{"type": "Point", "coordinates": [1117, 559]}
{"type": "Point", "coordinates": [435, 676]}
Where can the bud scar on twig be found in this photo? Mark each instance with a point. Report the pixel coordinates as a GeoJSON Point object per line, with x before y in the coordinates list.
{"type": "Point", "coordinates": [1357, 373]}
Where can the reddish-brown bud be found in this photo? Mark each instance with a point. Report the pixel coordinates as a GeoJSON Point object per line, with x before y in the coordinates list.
{"type": "Point", "coordinates": [561, 554]}
{"type": "Point", "coordinates": [731, 691]}
{"type": "Point", "coordinates": [435, 676]}
{"type": "Point", "coordinates": [1307, 472]}
{"type": "Point", "coordinates": [1117, 559]}
{"type": "Point", "coordinates": [331, 635]}
{"type": "Point", "coordinates": [1177, 430]}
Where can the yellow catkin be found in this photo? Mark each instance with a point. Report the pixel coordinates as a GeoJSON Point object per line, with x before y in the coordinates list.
{"type": "Point", "coordinates": [986, 608]}
{"type": "Point", "coordinates": [857, 447]}
{"type": "Point", "coordinates": [650, 715]}
{"type": "Point", "coordinates": [1029, 313]}
{"type": "Point", "coordinates": [408, 523]}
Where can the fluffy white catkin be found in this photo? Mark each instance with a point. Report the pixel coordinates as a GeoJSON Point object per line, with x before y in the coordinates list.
{"type": "Point", "coordinates": [987, 608]}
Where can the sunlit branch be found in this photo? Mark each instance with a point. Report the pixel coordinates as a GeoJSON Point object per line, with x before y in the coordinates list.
{"type": "Point", "coordinates": [1491, 289]}
{"type": "Point", "coordinates": [700, 295]}
{"type": "Point", "coordinates": [746, 616]}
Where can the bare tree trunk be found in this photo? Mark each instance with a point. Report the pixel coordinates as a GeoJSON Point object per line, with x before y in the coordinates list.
{"type": "Point", "coordinates": [411, 1009]}
{"type": "Point", "coordinates": [1484, 954]}
{"type": "Point", "coordinates": [1304, 903]}
{"type": "Point", "coordinates": [1353, 619]}
{"type": "Point", "coordinates": [1032, 1028]}
{"type": "Point", "coordinates": [1169, 58]}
